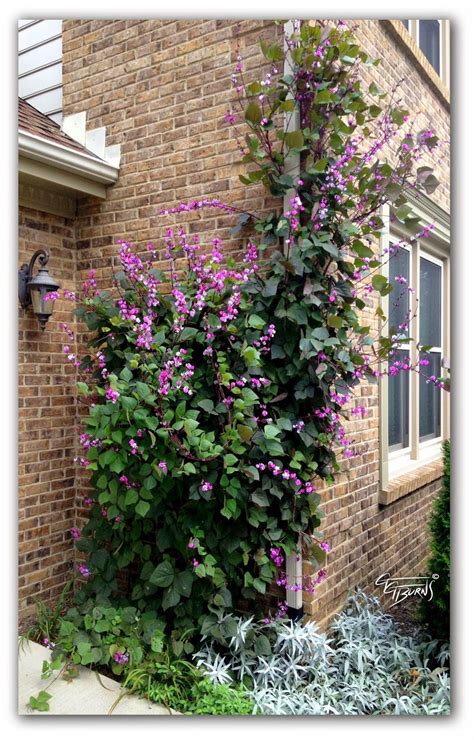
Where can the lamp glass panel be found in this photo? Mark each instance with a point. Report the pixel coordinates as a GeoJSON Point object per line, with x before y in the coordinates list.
{"type": "Point", "coordinates": [39, 304]}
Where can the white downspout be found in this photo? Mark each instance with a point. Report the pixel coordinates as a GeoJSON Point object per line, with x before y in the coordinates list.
{"type": "Point", "coordinates": [294, 562]}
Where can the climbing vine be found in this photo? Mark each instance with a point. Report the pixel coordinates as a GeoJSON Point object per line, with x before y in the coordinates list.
{"type": "Point", "coordinates": [215, 393]}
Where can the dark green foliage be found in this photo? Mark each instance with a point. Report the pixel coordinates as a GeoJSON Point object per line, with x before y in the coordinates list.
{"type": "Point", "coordinates": [436, 613]}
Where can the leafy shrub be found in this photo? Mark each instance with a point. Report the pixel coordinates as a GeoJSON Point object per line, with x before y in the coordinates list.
{"type": "Point", "coordinates": [132, 645]}
{"type": "Point", "coordinates": [362, 666]}
{"type": "Point", "coordinates": [118, 638]}
{"type": "Point", "coordinates": [436, 613]}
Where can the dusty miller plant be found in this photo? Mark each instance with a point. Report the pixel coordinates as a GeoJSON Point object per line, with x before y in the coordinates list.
{"type": "Point", "coordinates": [363, 665]}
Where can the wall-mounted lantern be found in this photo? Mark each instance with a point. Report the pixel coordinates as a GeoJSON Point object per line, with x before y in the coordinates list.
{"type": "Point", "coordinates": [36, 290]}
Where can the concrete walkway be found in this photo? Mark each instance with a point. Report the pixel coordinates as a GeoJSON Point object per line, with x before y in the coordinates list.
{"type": "Point", "coordinates": [83, 695]}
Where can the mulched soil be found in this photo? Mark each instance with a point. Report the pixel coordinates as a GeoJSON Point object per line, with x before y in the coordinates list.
{"type": "Point", "coordinates": [405, 614]}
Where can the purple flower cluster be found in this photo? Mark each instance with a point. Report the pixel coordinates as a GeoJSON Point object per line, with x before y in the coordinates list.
{"type": "Point", "coordinates": [84, 570]}
{"type": "Point", "coordinates": [111, 395]}
{"type": "Point", "coordinates": [121, 657]}
{"type": "Point", "coordinates": [277, 556]}
{"type": "Point", "coordinates": [197, 205]}
{"type": "Point", "coordinates": [276, 471]}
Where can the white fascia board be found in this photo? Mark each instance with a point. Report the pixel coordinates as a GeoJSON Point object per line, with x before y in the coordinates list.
{"type": "Point", "coordinates": [429, 212]}
{"type": "Point", "coordinates": [61, 157]}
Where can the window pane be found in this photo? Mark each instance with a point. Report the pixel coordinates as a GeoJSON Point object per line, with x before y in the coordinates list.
{"type": "Point", "coordinates": [398, 403]}
{"type": "Point", "coordinates": [398, 301]}
{"type": "Point", "coordinates": [430, 303]}
{"type": "Point", "coordinates": [430, 398]}
{"type": "Point", "coordinates": [405, 23]}
{"type": "Point", "coordinates": [429, 42]}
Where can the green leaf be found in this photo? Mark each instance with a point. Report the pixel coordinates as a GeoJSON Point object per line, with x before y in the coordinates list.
{"type": "Point", "coordinates": [157, 642]}
{"type": "Point", "coordinates": [142, 508]}
{"type": "Point", "coordinates": [252, 472]}
{"type": "Point", "coordinates": [374, 89]}
{"type": "Point", "coordinates": [318, 166]}
{"type": "Point", "coordinates": [323, 96]}
{"type": "Point", "coordinates": [334, 321]}
{"type": "Point", "coordinates": [256, 321]}
{"type": "Point", "coordinates": [183, 583]}
{"type": "Point", "coordinates": [295, 139]}
{"type": "Point", "coordinates": [362, 250]}
{"type": "Point", "coordinates": [260, 498]}
{"type": "Point", "coordinates": [188, 332]}
{"type": "Point", "coordinates": [128, 403]}
{"type": "Point", "coordinates": [271, 431]}
{"type": "Point", "coordinates": [253, 113]}
{"type": "Point", "coordinates": [259, 585]}
{"type": "Point", "coordinates": [170, 598]}
{"type": "Point", "coordinates": [403, 212]}
{"type": "Point", "coordinates": [270, 287]}
{"type": "Point", "coordinates": [126, 375]}
{"type": "Point", "coordinates": [430, 184]}
{"type": "Point", "coordinates": [262, 644]}
{"type": "Point", "coordinates": [83, 648]}
{"type": "Point", "coordinates": [379, 282]}
{"type": "Point", "coordinates": [163, 575]}
{"type": "Point", "coordinates": [297, 312]}
{"type": "Point", "coordinates": [250, 356]}
{"type": "Point", "coordinates": [40, 702]}
{"type": "Point", "coordinates": [245, 433]}
{"type": "Point", "coordinates": [131, 497]}
{"type": "Point", "coordinates": [206, 404]}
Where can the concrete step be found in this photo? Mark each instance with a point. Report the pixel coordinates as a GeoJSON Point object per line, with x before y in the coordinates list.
{"type": "Point", "coordinates": [84, 695]}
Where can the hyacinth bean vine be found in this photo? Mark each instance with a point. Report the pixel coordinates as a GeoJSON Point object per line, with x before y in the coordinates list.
{"type": "Point", "coordinates": [216, 392]}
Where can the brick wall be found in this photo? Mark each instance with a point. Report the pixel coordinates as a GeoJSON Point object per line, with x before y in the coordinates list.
{"type": "Point", "coordinates": [161, 88]}
{"type": "Point", "coordinates": [47, 413]}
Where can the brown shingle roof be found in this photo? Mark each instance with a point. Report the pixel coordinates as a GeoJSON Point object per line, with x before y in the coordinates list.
{"type": "Point", "coordinates": [35, 122]}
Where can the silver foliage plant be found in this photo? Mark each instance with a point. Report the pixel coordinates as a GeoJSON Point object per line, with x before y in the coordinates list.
{"type": "Point", "coordinates": [363, 665]}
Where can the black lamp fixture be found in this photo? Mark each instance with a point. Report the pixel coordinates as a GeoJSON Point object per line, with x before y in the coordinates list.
{"type": "Point", "coordinates": [33, 290]}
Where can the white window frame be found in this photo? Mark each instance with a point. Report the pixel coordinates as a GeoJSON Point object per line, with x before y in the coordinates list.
{"type": "Point", "coordinates": [418, 453]}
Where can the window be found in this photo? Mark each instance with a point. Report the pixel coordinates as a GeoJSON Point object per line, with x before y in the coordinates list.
{"type": "Point", "coordinates": [432, 36]}
{"type": "Point", "coordinates": [40, 65]}
{"type": "Point", "coordinates": [414, 411]}
{"type": "Point", "coordinates": [429, 41]}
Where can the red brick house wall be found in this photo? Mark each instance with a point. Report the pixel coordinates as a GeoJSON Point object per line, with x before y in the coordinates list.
{"type": "Point", "coordinates": [47, 422]}
{"type": "Point", "coordinates": [161, 88]}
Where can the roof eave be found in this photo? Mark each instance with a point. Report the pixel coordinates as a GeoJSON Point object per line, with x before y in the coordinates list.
{"type": "Point", "coordinates": [63, 158]}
